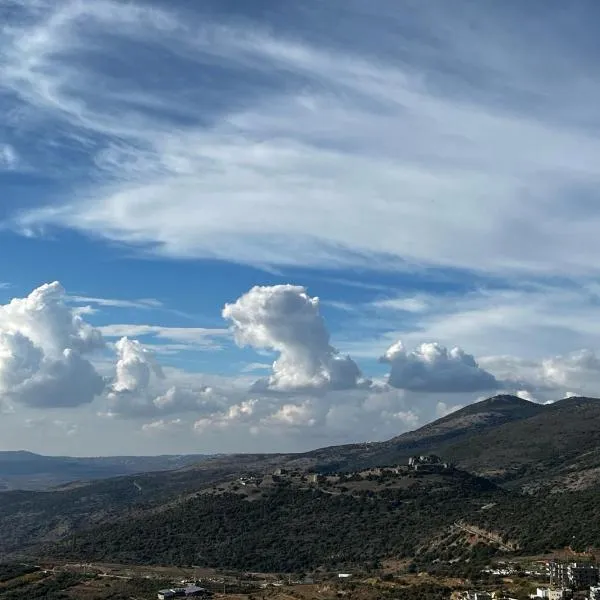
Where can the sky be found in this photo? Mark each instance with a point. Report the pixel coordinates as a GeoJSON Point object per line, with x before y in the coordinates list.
{"type": "Point", "coordinates": [232, 226]}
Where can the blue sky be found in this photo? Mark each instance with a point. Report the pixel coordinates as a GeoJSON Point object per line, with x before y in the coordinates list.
{"type": "Point", "coordinates": [428, 170]}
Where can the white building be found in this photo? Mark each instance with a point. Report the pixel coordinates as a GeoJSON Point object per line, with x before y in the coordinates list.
{"type": "Point", "coordinates": [594, 593]}
{"type": "Point", "coordinates": [552, 593]}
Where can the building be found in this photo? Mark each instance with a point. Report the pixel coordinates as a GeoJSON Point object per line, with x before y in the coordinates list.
{"type": "Point", "coordinates": [427, 462]}
{"type": "Point", "coordinates": [478, 596]}
{"type": "Point", "coordinates": [573, 575]}
{"type": "Point", "coordinates": [179, 592]}
{"type": "Point", "coordinates": [552, 593]}
{"type": "Point", "coordinates": [594, 593]}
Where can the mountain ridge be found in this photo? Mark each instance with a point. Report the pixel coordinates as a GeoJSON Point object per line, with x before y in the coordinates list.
{"type": "Point", "coordinates": [526, 453]}
{"type": "Point", "coordinates": [22, 469]}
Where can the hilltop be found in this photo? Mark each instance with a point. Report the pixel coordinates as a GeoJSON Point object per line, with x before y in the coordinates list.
{"type": "Point", "coordinates": [437, 437]}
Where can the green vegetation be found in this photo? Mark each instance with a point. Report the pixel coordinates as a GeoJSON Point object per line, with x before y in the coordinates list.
{"type": "Point", "coordinates": [12, 571]}
{"type": "Point", "coordinates": [49, 588]}
{"type": "Point", "coordinates": [543, 522]}
{"type": "Point", "coordinates": [289, 529]}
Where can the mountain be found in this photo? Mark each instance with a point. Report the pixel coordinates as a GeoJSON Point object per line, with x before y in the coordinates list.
{"type": "Point", "coordinates": [505, 438]}
{"type": "Point", "coordinates": [437, 437]}
{"type": "Point", "coordinates": [477, 417]}
{"type": "Point", "coordinates": [557, 447]}
{"type": "Point", "coordinates": [28, 471]}
{"type": "Point", "coordinates": [521, 469]}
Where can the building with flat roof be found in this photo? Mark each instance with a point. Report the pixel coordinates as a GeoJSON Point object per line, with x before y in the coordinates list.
{"type": "Point", "coordinates": [190, 591]}
{"type": "Point", "coordinates": [577, 576]}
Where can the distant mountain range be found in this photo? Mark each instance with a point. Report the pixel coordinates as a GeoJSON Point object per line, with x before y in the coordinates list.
{"type": "Point", "coordinates": [28, 471]}
{"type": "Point", "coordinates": [528, 474]}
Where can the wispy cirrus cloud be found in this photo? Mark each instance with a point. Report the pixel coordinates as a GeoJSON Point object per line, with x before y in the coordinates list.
{"type": "Point", "coordinates": [282, 172]}
{"type": "Point", "coordinates": [197, 336]}
{"type": "Point", "coordinates": [143, 303]}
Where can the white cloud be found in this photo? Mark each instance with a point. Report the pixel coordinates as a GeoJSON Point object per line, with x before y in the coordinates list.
{"type": "Point", "coordinates": [44, 344]}
{"type": "Point", "coordinates": [285, 319]}
{"type": "Point", "coordinates": [135, 366]}
{"type": "Point", "coordinates": [573, 373]}
{"type": "Point", "coordinates": [410, 304]}
{"type": "Point", "coordinates": [443, 409]}
{"type": "Point", "coordinates": [9, 159]}
{"type": "Point", "coordinates": [527, 320]}
{"type": "Point", "coordinates": [142, 303]}
{"type": "Point", "coordinates": [434, 368]}
{"type": "Point", "coordinates": [453, 174]}
{"type": "Point", "coordinates": [42, 347]}
{"type": "Point", "coordinates": [140, 387]}
{"type": "Point", "coordinates": [256, 366]}
{"type": "Point", "coordinates": [201, 400]}
{"type": "Point", "coordinates": [191, 337]}
{"type": "Point", "coordinates": [526, 395]}
{"type": "Point", "coordinates": [163, 425]}
{"type": "Point", "coordinates": [135, 369]}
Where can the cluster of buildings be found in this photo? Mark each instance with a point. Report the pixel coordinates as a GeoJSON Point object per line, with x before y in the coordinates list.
{"type": "Point", "coordinates": [567, 578]}
{"type": "Point", "coordinates": [483, 596]}
{"type": "Point", "coordinates": [429, 462]}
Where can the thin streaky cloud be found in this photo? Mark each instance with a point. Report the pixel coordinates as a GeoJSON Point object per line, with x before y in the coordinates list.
{"type": "Point", "coordinates": [143, 303]}
{"type": "Point", "coordinates": [285, 179]}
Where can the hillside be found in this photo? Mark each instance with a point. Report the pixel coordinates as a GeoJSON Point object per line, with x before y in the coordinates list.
{"type": "Point", "coordinates": [546, 460]}
{"type": "Point", "coordinates": [28, 471]}
{"type": "Point", "coordinates": [559, 446]}
{"type": "Point", "coordinates": [290, 526]}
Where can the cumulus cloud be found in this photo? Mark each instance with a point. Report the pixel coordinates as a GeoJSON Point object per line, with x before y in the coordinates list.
{"type": "Point", "coordinates": [140, 387]}
{"type": "Point", "coordinates": [285, 319]}
{"type": "Point", "coordinates": [577, 373]}
{"type": "Point", "coordinates": [42, 346]}
{"type": "Point", "coordinates": [135, 366]}
{"type": "Point", "coordinates": [433, 368]}
{"type": "Point", "coordinates": [135, 369]}
{"type": "Point", "coordinates": [577, 370]}
{"type": "Point", "coordinates": [337, 417]}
